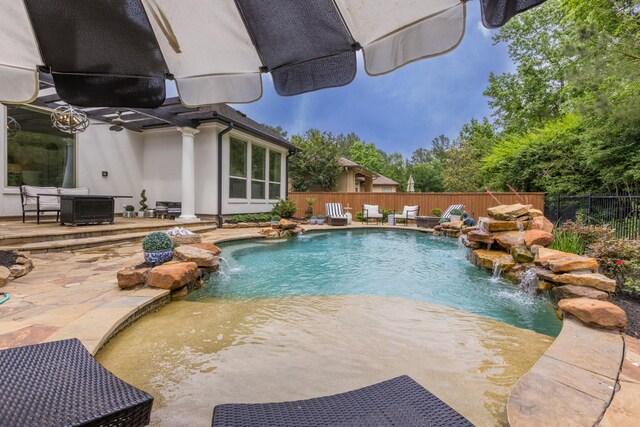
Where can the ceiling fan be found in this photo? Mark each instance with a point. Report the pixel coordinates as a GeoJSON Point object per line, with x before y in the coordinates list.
{"type": "Point", "coordinates": [116, 124]}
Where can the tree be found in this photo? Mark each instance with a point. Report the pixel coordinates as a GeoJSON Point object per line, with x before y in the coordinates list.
{"type": "Point", "coordinates": [367, 156]}
{"type": "Point", "coordinates": [317, 164]}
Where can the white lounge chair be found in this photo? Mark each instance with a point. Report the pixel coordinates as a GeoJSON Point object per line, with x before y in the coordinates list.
{"type": "Point", "coordinates": [371, 212]}
{"type": "Point", "coordinates": [408, 213]}
{"type": "Point", "coordinates": [447, 214]}
{"type": "Point", "coordinates": [335, 216]}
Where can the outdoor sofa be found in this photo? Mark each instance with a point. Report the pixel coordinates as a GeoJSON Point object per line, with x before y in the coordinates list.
{"type": "Point", "coordinates": [45, 199]}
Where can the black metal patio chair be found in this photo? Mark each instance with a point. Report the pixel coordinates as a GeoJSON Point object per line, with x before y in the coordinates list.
{"type": "Point", "coordinates": [60, 384]}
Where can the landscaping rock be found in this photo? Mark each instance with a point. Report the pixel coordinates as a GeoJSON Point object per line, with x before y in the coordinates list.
{"type": "Point", "coordinates": [468, 230]}
{"type": "Point", "coordinates": [208, 247]}
{"type": "Point", "coordinates": [576, 262]}
{"type": "Point", "coordinates": [454, 225]}
{"type": "Point", "coordinates": [4, 275]}
{"type": "Point", "coordinates": [593, 312]}
{"type": "Point", "coordinates": [298, 230]}
{"type": "Point", "coordinates": [131, 277]}
{"type": "Point", "coordinates": [469, 244]}
{"type": "Point", "coordinates": [180, 293]}
{"type": "Point", "coordinates": [573, 291]}
{"type": "Point", "coordinates": [186, 240]}
{"type": "Point", "coordinates": [543, 285]}
{"type": "Point", "coordinates": [592, 280]}
{"type": "Point", "coordinates": [19, 270]}
{"type": "Point", "coordinates": [544, 255]}
{"type": "Point", "coordinates": [510, 239]}
{"type": "Point", "coordinates": [541, 223]}
{"type": "Point", "coordinates": [487, 259]}
{"type": "Point", "coordinates": [285, 224]}
{"type": "Point", "coordinates": [481, 237]}
{"type": "Point", "coordinates": [228, 225]}
{"type": "Point", "coordinates": [172, 276]}
{"type": "Point", "coordinates": [508, 212]}
{"type": "Point", "coordinates": [521, 255]}
{"type": "Point", "coordinates": [537, 237]}
{"type": "Point", "coordinates": [201, 257]}
{"type": "Point", "coordinates": [534, 213]}
{"type": "Point", "coordinates": [491, 224]}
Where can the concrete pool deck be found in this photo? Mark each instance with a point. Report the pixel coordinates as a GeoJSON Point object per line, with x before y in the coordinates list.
{"type": "Point", "coordinates": [75, 294]}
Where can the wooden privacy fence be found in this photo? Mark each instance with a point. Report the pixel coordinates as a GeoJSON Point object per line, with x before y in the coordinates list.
{"type": "Point", "coordinates": [476, 204]}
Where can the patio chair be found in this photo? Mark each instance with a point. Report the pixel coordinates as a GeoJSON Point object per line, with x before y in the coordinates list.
{"type": "Point", "coordinates": [60, 384]}
{"type": "Point", "coordinates": [408, 213]}
{"type": "Point", "coordinates": [335, 216]}
{"type": "Point", "coordinates": [371, 212]}
{"type": "Point", "coordinates": [447, 214]}
{"type": "Point", "coordinates": [39, 200]}
{"type": "Point", "coordinates": [397, 402]}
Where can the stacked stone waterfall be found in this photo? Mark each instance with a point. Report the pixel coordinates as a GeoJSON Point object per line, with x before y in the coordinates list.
{"type": "Point", "coordinates": [513, 239]}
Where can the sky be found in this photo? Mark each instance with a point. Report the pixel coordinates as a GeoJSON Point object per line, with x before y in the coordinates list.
{"type": "Point", "coordinates": [403, 110]}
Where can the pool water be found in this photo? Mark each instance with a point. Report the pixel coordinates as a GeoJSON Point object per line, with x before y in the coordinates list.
{"type": "Point", "coordinates": [400, 263]}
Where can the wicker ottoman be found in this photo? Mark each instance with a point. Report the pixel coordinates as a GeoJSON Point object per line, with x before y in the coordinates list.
{"type": "Point", "coordinates": [427, 221]}
{"type": "Point", "coordinates": [60, 384]}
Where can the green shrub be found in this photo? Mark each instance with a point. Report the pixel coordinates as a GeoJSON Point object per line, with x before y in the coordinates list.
{"type": "Point", "coordinates": [310, 201]}
{"type": "Point", "coordinates": [359, 216]}
{"type": "Point", "coordinates": [257, 217]}
{"type": "Point", "coordinates": [619, 259]}
{"type": "Point", "coordinates": [143, 200]}
{"type": "Point", "coordinates": [575, 237]}
{"type": "Point", "coordinates": [284, 208]}
{"type": "Point", "coordinates": [157, 241]}
{"type": "Point", "coordinates": [129, 208]}
{"type": "Point", "coordinates": [275, 218]}
{"type": "Point", "coordinates": [436, 212]}
{"type": "Point", "coordinates": [457, 212]}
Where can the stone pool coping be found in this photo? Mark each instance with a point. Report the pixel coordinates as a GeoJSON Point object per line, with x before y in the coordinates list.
{"type": "Point", "coordinates": [590, 375]}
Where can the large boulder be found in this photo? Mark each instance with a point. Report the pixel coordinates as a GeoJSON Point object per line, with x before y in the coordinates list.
{"type": "Point", "coordinates": [521, 255]}
{"type": "Point", "coordinates": [576, 262]}
{"type": "Point", "coordinates": [488, 259]}
{"type": "Point", "coordinates": [208, 247]}
{"type": "Point", "coordinates": [481, 237]}
{"type": "Point", "coordinates": [593, 312]}
{"type": "Point", "coordinates": [285, 224]}
{"type": "Point", "coordinates": [592, 280]}
{"type": "Point", "coordinates": [201, 257]}
{"type": "Point", "coordinates": [534, 213]}
{"type": "Point", "coordinates": [537, 237]}
{"type": "Point", "coordinates": [173, 275]}
{"type": "Point", "coordinates": [510, 239]}
{"type": "Point", "coordinates": [470, 244]}
{"type": "Point", "coordinates": [541, 223]}
{"type": "Point", "coordinates": [492, 225]}
{"type": "Point", "coordinates": [453, 225]}
{"type": "Point", "coordinates": [573, 291]}
{"type": "Point", "coordinates": [508, 212]}
{"type": "Point", "coordinates": [131, 277]}
{"type": "Point", "coordinates": [544, 255]}
{"type": "Point", "coordinates": [4, 275]}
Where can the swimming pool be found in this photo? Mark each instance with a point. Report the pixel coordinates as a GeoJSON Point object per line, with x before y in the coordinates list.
{"type": "Point", "coordinates": [399, 263]}
{"type": "Point", "coordinates": [329, 312]}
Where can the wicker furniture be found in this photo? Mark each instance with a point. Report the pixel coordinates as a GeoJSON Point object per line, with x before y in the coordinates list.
{"type": "Point", "coordinates": [427, 221]}
{"type": "Point", "coordinates": [86, 209]}
{"type": "Point", "coordinates": [397, 402]}
{"type": "Point", "coordinates": [335, 216]}
{"type": "Point", "coordinates": [60, 384]}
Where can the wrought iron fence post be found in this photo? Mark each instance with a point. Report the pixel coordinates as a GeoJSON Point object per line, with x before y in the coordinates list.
{"type": "Point", "coordinates": [558, 209]}
{"type": "Point", "coordinates": [589, 210]}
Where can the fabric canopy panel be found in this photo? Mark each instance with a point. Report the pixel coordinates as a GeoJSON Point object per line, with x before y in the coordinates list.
{"type": "Point", "coordinates": [118, 54]}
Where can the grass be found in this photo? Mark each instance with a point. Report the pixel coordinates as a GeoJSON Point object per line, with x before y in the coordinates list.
{"type": "Point", "coordinates": [568, 241]}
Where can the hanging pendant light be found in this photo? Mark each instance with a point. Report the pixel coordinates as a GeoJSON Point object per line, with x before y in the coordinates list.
{"type": "Point", "coordinates": [13, 127]}
{"type": "Point", "coordinates": [69, 120]}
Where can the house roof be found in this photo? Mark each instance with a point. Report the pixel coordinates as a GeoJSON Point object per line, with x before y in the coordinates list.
{"type": "Point", "coordinates": [383, 180]}
{"type": "Point", "coordinates": [170, 114]}
{"type": "Point", "coordinates": [344, 162]}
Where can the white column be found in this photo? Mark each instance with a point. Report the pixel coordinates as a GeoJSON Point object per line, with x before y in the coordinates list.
{"type": "Point", "coordinates": [67, 180]}
{"type": "Point", "coordinates": [188, 176]}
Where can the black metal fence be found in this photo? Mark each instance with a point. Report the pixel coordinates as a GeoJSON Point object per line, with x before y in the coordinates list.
{"type": "Point", "coordinates": [622, 213]}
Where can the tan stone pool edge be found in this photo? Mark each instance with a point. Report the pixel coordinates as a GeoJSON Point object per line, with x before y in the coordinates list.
{"type": "Point", "coordinates": [583, 363]}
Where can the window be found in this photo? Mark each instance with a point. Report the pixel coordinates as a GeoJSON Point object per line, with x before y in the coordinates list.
{"type": "Point", "coordinates": [258, 170]}
{"type": "Point", "coordinates": [237, 169]}
{"type": "Point", "coordinates": [37, 153]}
{"type": "Point", "coordinates": [275, 171]}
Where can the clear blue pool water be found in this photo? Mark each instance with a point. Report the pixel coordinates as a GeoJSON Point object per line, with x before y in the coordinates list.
{"type": "Point", "coordinates": [399, 263]}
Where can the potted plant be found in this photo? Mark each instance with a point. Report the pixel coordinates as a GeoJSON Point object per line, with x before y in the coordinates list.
{"type": "Point", "coordinates": [157, 247]}
{"type": "Point", "coordinates": [129, 211]}
{"type": "Point", "coordinates": [436, 212]}
{"type": "Point", "coordinates": [275, 221]}
{"type": "Point", "coordinates": [456, 215]}
{"type": "Point", "coordinates": [313, 220]}
{"type": "Point", "coordinates": [308, 213]}
{"type": "Point", "coordinates": [143, 203]}
{"type": "Point", "coordinates": [320, 219]}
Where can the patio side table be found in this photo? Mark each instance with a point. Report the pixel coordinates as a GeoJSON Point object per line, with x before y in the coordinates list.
{"type": "Point", "coordinates": [391, 219]}
{"type": "Point", "coordinates": [60, 384]}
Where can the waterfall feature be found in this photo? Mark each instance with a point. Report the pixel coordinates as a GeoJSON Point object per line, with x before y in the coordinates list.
{"type": "Point", "coordinates": [529, 282]}
{"type": "Point", "coordinates": [496, 272]}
